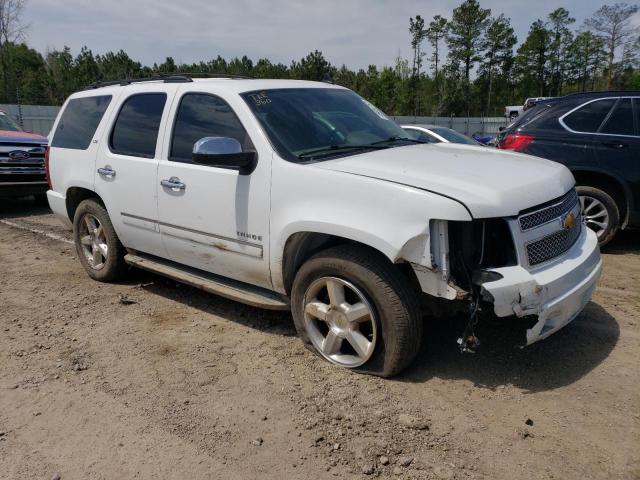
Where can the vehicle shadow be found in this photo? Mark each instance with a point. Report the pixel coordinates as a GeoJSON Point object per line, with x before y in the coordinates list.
{"type": "Point", "coordinates": [624, 242]}
{"type": "Point", "coordinates": [267, 321]}
{"type": "Point", "coordinates": [11, 207]}
{"type": "Point", "coordinates": [559, 360]}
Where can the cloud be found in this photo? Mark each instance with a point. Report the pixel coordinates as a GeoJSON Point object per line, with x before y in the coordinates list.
{"type": "Point", "coordinates": [354, 32]}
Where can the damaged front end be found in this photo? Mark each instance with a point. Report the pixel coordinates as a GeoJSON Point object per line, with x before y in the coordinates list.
{"type": "Point", "coordinates": [540, 267]}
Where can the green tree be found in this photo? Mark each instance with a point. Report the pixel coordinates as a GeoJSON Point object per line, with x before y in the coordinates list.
{"type": "Point", "coordinates": [313, 67]}
{"type": "Point", "coordinates": [613, 23]}
{"type": "Point", "coordinates": [498, 58]}
{"type": "Point", "coordinates": [11, 32]}
{"type": "Point", "coordinates": [435, 33]}
{"type": "Point", "coordinates": [465, 36]}
{"type": "Point", "coordinates": [115, 66]}
{"type": "Point", "coordinates": [561, 38]}
{"type": "Point", "coordinates": [416, 29]}
{"type": "Point", "coordinates": [532, 61]}
{"type": "Point", "coordinates": [585, 55]}
{"type": "Point", "coordinates": [466, 40]}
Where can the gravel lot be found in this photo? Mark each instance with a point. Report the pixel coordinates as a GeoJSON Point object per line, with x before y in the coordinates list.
{"type": "Point", "coordinates": [151, 379]}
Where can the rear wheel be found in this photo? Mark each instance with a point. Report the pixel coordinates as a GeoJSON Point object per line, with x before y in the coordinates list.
{"type": "Point", "coordinates": [98, 246]}
{"type": "Point", "coordinates": [355, 309]}
{"type": "Point", "coordinates": [600, 212]}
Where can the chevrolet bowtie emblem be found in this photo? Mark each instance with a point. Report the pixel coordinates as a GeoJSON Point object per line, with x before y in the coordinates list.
{"type": "Point", "coordinates": [568, 221]}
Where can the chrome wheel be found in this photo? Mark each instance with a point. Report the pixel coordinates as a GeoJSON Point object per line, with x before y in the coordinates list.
{"type": "Point", "coordinates": [340, 322]}
{"type": "Point", "coordinates": [595, 214]}
{"type": "Point", "coordinates": [93, 241]}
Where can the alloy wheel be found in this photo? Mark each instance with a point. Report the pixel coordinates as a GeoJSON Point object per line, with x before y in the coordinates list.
{"type": "Point", "coordinates": [595, 214]}
{"type": "Point", "coordinates": [340, 322]}
{"type": "Point", "coordinates": [93, 241]}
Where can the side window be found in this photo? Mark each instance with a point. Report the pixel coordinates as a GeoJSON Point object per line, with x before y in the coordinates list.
{"type": "Point", "coordinates": [620, 122]}
{"type": "Point", "coordinates": [201, 115]}
{"type": "Point", "coordinates": [79, 122]}
{"type": "Point", "coordinates": [136, 129]}
{"type": "Point", "coordinates": [589, 117]}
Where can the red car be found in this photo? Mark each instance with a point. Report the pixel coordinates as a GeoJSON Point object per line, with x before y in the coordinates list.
{"type": "Point", "coordinates": [22, 165]}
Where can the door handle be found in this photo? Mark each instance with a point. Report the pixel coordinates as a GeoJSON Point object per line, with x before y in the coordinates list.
{"type": "Point", "coordinates": [173, 183]}
{"type": "Point", "coordinates": [614, 144]}
{"type": "Point", "coordinates": [107, 171]}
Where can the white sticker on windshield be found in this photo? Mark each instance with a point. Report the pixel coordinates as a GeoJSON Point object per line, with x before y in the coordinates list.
{"type": "Point", "coordinates": [375, 109]}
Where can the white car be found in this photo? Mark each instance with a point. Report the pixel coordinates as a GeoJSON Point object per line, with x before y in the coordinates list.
{"type": "Point", "coordinates": [437, 134]}
{"type": "Point", "coordinates": [301, 195]}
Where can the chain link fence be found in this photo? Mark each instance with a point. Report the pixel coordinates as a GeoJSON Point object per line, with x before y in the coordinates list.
{"type": "Point", "coordinates": [466, 125]}
{"type": "Point", "coordinates": [32, 118]}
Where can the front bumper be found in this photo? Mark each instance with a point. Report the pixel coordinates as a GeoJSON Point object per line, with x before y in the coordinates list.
{"type": "Point", "coordinates": [556, 293]}
{"type": "Point", "coordinates": [19, 189]}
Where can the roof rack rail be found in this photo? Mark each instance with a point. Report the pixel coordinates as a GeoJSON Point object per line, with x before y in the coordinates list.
{"type": "Point", "coordinates": [166, 78]}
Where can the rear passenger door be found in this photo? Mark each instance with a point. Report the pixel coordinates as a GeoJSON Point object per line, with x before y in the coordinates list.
{"type": "Point", "coordinates": [618, 147]}
{"type": "Point", "coordinates": [127, 164]}
{"type": "Point", "coordinates": [218, 220]}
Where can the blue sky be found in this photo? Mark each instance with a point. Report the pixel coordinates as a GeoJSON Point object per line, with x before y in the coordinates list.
{"type": "Point", "coordinates": [354, 32]}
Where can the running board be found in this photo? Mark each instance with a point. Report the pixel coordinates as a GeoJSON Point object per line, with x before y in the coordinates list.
{"type": "Point", "coordinates": [225, 287]}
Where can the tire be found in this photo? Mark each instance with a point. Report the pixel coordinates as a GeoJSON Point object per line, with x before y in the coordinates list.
{"type": "Point", "coordinates": [101, 268]}
{"type": "Point", "coordinates": [600, 212]}
{"type": "Point", "coordinates": [393, 326]}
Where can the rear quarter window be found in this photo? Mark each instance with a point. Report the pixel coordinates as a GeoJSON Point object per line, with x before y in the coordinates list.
{"type": "Point", "coordinates": [79, 122]}
{"type": "Point", "coordinates": [589, 117]}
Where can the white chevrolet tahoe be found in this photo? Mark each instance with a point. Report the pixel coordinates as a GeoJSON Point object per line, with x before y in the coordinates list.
{"type": "Point", "coordinates": [301, 195]}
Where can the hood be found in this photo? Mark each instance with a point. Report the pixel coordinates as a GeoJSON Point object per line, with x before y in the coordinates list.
{"type": "Point", "coordinates": [488, 181]}
{"type": "Point", "coordinates": [21, 137]}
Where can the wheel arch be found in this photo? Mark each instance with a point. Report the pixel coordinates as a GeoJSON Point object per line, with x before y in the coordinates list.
{"type": "Point", "coordinates": [300, 246]}
{"type": "Point", "coordinates": [610, 184]}
{"type": "Point", "coordinates": [75, 195]}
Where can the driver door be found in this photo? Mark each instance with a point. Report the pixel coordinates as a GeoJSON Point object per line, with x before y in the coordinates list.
{"type": "Point", "coordinates": [213, 218]}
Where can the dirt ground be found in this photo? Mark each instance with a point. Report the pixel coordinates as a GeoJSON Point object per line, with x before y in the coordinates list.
{"type": "Point", "coordinates": [149, 379]}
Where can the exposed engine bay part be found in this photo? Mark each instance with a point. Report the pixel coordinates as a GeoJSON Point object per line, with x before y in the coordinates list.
{"type": "Point", "coordinates": [433, 272]}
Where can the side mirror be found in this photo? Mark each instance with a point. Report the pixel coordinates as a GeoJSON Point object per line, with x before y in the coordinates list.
{"type": "Point", "coordinates": [501, 129]}
{"type": "Point", "coordinates": [224, 152]}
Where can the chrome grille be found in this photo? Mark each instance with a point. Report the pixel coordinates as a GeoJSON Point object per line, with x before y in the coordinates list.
{"type": "Point", "coordinates": [547, 214]}
{"type": "Point", "coordinates": [552, 245]}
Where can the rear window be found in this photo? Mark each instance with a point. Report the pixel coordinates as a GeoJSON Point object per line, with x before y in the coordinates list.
{"type": "Point", "coordinates": [135, 132]}
{"type": "Point", "coordinates": [79, 122]}
{"type": "Point", "coordinates": [589, 117]}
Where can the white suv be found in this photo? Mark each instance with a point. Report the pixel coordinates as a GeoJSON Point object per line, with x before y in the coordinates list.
{"type": "Point", "coordinates": [301, 195]}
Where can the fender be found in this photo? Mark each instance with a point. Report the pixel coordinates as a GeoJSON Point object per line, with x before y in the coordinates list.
{"type": "Point", "coordinates": [392, 218]}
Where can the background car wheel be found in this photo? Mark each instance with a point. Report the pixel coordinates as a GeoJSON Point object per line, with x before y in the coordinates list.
{"type": "Point", "coordinates": [600, 212]}
{"type": "Point", "coordinates": [352, 307]}
{"type": "Point", "coordinates": [98, 246]}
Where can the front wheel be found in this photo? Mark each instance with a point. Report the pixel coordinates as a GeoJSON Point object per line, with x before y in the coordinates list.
{"type": "Point", "coordinates": [355, 309]}
{"type": "Point", "coordinates": [600, 213]}
{"type": "Point", "coordinates": [97, 244]}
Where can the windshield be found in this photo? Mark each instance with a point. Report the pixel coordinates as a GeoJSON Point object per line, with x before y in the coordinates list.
{"type": "Point", "coordinates": [453, 136]}
{"type": "Point", "coordinates": [7, 124]}
{"type": "Point", "coordinates": [311, 123]}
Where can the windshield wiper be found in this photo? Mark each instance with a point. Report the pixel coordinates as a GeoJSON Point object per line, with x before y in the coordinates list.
{"type": "Point", "coordinates": [335, 148]}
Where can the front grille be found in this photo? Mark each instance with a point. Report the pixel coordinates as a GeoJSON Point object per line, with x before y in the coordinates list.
{"type": "Point", "coordinates": [547, 214]}
{"type": "Point", "coordinates": [552, 245]}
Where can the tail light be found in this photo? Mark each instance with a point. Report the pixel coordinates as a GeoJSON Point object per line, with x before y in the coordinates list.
{"type": "Point", "coordinates": [47, 173]}
{"type": "Point", "coordinates": [515, 141]}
